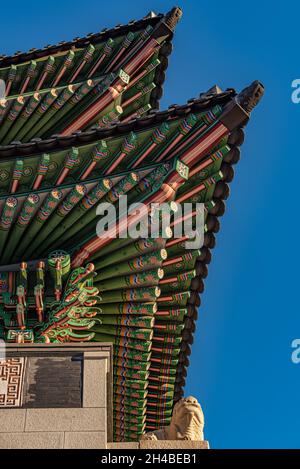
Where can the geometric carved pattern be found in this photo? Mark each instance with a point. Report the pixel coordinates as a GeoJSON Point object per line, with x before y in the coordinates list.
{"type": "Point", "coordinates": [11, 381]}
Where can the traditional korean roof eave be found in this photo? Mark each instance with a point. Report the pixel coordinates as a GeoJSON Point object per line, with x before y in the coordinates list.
{"type": "Point", "coordinates": [171, 342]}
{"type": "Point", "coordinates": [221, 194]}
{"type": "Point", "coordinates": [147, 88]}
{"type": "Point", "coordinates": [37, 145]}
{"type": "Point", "coordinates": [78, 42]}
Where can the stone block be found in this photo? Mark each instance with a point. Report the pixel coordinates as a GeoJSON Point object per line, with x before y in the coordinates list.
{"type": "Point", "coordinates": [12, 420]}
{"type": "Point", "coordinates": [94, 380]}
{"type": "Point", "coordinates": [173, 444]}
{"type": "Point", "coordinates": [85, 440]}
{"type": "Point", "coordinates": [123, 446]}
{"type": "Point", "coordinates": [65, 420]}
{"type": "Point", "coordinates": [32, 440]}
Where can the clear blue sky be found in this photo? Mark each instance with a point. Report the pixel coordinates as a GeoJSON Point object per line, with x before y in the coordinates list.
{"type": "Point", "coordinates": [241, 369]}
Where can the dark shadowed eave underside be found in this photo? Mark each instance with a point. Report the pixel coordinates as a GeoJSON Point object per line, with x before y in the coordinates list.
{"type": "Point", "coordinates": [148, 289]}
{"type": "Point", "coordinates": [92, 81]}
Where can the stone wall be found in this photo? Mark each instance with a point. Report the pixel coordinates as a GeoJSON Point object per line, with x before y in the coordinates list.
{"type": "Point", "coordinates": [79, 414]}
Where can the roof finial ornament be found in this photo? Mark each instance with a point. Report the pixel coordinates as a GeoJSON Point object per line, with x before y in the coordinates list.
{"type": "Point", "coordinates": [214, 90]}
{"type": "Point", "coordinates": [171, 19]}
{"type": "Point", "coordinates": [151, 14]}
{"type": "Point", "coordinates": [249, 97]}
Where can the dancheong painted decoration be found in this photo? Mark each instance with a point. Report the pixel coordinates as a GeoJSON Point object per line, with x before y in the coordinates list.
{"type": "Point", "coordinates": [80, 125]}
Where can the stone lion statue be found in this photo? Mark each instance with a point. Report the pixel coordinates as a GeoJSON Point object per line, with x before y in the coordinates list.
{"type": "Point", "coordinates": [187, 423]}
